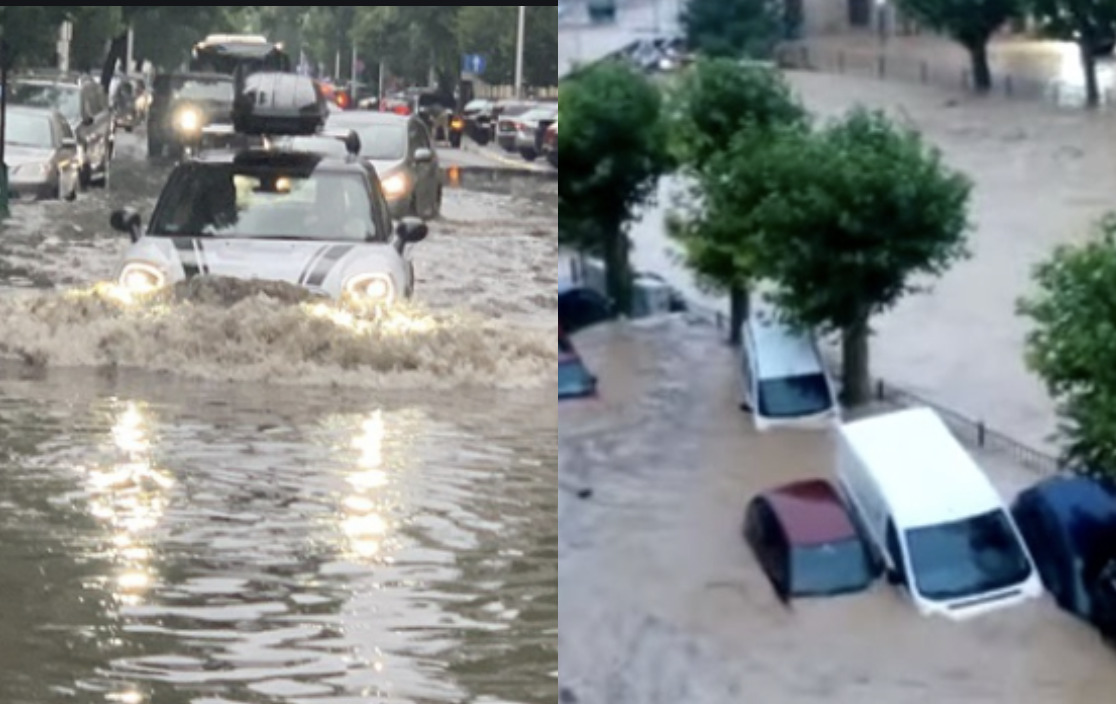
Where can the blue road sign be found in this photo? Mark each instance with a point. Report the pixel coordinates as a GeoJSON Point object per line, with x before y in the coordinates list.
{"type": "Point", "coordinates": [473, 63]}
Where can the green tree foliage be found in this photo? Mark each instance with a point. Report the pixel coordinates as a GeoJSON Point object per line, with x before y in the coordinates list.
{"type": "Point", "coordinates": [613, 144]}
{"type": "Point", "coordinates": [843, 220]}
{"type": "Point", "coordinates": [31, 32]}
{"type": "Point", "coordinates": [1089, 23]}
{"type": "Point", "coordinates": [733, 28]}
{"type": "Point", "coordinates": [94, 28]}
{"type": "Point", "coordinates": [715, 103]}
{"type": "Point", "coordinates": [971, 23]}
{"type": "Point", "coordinates": [1074, 317]}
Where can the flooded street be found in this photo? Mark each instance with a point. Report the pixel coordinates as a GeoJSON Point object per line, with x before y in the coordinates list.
{"type": "Point", "coordinates": [662, 602]}
{"type": "Point", "coordinates": [228, 497]}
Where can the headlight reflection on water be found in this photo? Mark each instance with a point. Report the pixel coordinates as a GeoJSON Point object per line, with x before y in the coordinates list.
{"type": "Point", "coordinates": [362, 525]}
{"type": "Point", "coordinates": [130, 497]}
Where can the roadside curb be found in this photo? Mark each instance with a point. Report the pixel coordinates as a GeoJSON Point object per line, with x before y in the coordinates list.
{"type": "Point", "coordinates": [512, 163]}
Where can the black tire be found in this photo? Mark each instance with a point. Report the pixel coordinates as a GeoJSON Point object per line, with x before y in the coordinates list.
{"type": "Point", "coordinates": [529, 154]}
{"type": "Point", "coordinates": [455, 140]}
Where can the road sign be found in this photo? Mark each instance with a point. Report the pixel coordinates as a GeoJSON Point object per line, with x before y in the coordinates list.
{"type": "Point", "coordinates": [473, 63]}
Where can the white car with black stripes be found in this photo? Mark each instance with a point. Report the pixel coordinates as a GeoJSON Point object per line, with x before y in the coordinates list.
{"type": "Point", "coordinates": [304, 217]}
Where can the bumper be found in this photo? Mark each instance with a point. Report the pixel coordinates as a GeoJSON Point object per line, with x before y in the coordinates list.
{"type": "Point", "coordinates": [44, 188]}
{"type": "Point", "coordinates": [525, 142]}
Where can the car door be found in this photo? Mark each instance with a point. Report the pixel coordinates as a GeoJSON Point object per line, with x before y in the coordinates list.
{"type": "Point", "coordinates": [777, 549]}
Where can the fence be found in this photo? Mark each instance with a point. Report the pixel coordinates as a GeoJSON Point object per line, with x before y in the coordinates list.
{"type": "Point", "coordinates": [971, 431]}
{"type": "Point", "coordinates": [884, 65]}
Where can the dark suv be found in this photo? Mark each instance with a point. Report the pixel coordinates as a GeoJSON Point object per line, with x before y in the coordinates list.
{"type": "Point", "coordinates": [182, 105]}
{"type": "Point", "coordinates": [84, 104]}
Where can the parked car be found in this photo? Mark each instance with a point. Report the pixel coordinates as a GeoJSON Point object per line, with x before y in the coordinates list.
{"type": "Point", "coordinates": [550, 145]}
{"type": "Point", "coordinates": [1069, 524]}
{"type": "Point", "coordinates": [401, 150]}
{"type": "Point", "coordinates": [784, 379]}
{"type": "Point", "coordinates": [807, 542]}
{"type": "Point", "coordinates": [529, 128]}
{"type": "Point", "coordinates": [84, 104]}
{"type": "Point", "coordinates": [580, 308]}
{"type": "Point", "coordinates": [575, 381]}
{"type": "Point", "coordinates": [478, 116]}
{"type": "Point", "coordinates": [934, 519]}
{"type": "Point", "coordinates": [507, 116]}
{"type": "Point", "coordinates": [42, 155]}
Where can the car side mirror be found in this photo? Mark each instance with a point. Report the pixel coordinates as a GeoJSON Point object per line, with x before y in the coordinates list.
{"type": "Point", "coordinates": [128, 221]}
{"type": "Point", "coordinates": [424, 156]}
{"type": "Point", "coordinates": [86, 121]}
{"type": "Point", "coordinates": [411, 230]}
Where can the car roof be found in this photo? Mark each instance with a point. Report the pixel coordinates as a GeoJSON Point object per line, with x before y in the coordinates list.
{"type": "Point", "coordinates": [279, 158]}
{"type": "Point", "coordinates": [369, 117]}
{"type": "Point", "coordinates": [781, 351]}
{"type": "Point", "coordinates": [921, 468]}
{"type": "Point", "coordinates": [811, 512]}
{"type": "Point", "coordinates": [1079, 504]}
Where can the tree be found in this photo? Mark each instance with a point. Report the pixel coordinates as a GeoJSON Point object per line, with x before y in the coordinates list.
{"type": "Point", "coordinates": [31, 32]}
{"type": "Point", "coordinates": [844, 220]}
{"type": "Point", "coordinates": [1088, 23]}
{"type": "Point", "coordinates": [1074, 317]}
{"type": "Point", "coordinates": [733, 28]}
{"type": "Point", "coordinates": [971, 23]}
{"type": "Point", "coordinates": [613, 144]}
{"type": "Point", "coordinates": [716, 102]}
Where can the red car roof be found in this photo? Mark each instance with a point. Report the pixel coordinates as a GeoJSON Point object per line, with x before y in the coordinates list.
{"type": "Point", "coordinates": [811, 512]}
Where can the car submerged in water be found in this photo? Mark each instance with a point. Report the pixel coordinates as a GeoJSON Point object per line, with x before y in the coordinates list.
{"type": "Point", "coordinates": [274, 213]}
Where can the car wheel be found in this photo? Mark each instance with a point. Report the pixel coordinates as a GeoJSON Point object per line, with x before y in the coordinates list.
{"type": "Point", "coordinates": [529, 154]}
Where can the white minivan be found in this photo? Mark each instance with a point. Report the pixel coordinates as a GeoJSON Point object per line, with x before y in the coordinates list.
{"type": "Point", "coordinates": [784, 380]}
{"type": "Point", "coordinates": [935, 520]}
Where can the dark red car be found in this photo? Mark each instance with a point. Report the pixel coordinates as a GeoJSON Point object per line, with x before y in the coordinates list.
{"type": "Point", "coordinates": [807, 542]}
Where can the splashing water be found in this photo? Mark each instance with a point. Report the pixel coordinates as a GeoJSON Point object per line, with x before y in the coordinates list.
{"type": "Point", "coordinates": [218, 329]}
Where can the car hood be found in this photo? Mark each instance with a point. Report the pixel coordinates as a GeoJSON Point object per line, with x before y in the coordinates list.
{"type": "Point", "coordinates": [321, 266]}
{"type": "Point", "coordinates": [17, 155]}
{"type": "Point", "coordinates": [385, 167]}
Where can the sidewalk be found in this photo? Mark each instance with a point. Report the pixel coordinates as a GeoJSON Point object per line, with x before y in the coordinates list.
{"type": "Point", "coordinates": [1022, 68]}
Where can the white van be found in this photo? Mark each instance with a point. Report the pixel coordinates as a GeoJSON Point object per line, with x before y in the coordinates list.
{"type": "Point", "coordinates": [784, 381]}
{"type": "Point", "coordinates": [936, 522]}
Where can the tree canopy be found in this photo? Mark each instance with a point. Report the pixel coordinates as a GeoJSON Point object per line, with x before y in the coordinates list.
{"type": "Point", "coordinates": [613, 144]}
{"type": "Point", "coordinates": [734, 28]}
{"type": "Point", "coordinates": [1074, 318]}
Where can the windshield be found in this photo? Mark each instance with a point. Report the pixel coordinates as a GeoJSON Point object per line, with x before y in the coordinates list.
{"type": "Point", "coordinates": [378, 142]}
{"type": "Point", "coordinates": [830, 568]}
{"type": "Point", "coordinates": [29, 131]}
{"type": "Point", "coordinates": [573, 380]}
{"type": "Point", "coordinates": [222, 200]}
{"type": "Point", "coordinates": [968, 557]}
{"type": "Point", "coordinates": [65, 99]}
{"type": "Point", "coordinates": [794, 396]}
{"type": "Point", "coordinates": [217, 91]}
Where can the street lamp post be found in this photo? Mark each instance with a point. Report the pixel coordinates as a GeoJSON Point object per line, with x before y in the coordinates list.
{"type": "Point", "coordinates": [519, 51]}
{"type": "Point", "coordinates": [4, 51]}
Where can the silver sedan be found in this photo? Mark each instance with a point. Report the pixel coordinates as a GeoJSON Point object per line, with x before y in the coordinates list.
{"type": "Point", "coordinates": [42, 155]}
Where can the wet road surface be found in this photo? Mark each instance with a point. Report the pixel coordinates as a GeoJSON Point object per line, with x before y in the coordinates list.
{"type": "Point", "coordinates": [243, 498]}
{"type": "Point", "coordinates": [661, 601]}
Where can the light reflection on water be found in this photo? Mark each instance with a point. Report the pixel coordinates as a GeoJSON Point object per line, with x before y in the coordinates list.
{"type": "Point", "coordinates": [209, 552]}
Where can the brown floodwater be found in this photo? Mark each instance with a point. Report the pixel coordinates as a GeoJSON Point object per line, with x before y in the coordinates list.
{"type": "Point", "coordinates": [660, 601]}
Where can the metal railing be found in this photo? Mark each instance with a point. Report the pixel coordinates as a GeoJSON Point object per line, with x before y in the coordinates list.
{"type": "Point", "coordinates": [894, 66]}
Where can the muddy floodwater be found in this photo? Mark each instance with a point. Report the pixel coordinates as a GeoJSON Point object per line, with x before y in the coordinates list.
{"type": "Point", "coordinates": [233, 495]}
{"type": "Point", "coordinates": [662, 602]}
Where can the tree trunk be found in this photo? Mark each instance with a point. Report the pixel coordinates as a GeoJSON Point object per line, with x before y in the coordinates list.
{"type": "Point", "coordinates": [618, 274]}
{"type": "Point", "coordinates": [982, 72]}
{"type": "Point", "coordinates": [856, 380]}
{"type": "Point", "coordinates": [1089, 67]}
{"type": "Point", "coordinates": [739, 312]}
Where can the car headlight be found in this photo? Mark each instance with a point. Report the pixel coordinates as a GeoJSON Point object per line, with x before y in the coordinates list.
{"type": "Point", "coordinates": [371, 288]}
{"type": "Point", "coordinates": [188, 120]}
{"type": "Point", "coordinates": [141, 278]}
{"type": "Point", "coordinates": [395, 186]}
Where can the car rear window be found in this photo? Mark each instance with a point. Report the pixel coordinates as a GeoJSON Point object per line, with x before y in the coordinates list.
{"type": "Point", "coordinates": [794, 396]}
